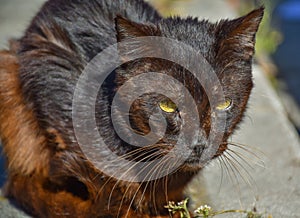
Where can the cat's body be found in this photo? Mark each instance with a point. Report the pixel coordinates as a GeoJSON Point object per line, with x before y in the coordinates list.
{"type": "Point", "coordinates": [48, 175]}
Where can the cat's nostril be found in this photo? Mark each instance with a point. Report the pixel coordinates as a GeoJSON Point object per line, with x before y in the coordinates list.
{"type": "Point", "coordinates": [198, 149]}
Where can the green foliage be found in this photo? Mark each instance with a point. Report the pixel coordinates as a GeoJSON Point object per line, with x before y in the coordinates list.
{"type": "Point", "coordinates": [207, 212]}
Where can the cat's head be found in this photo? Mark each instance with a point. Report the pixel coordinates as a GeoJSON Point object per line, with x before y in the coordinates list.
{"type": "Point", "coordinates": [228, 46]}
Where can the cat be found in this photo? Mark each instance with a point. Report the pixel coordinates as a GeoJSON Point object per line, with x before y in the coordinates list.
{"type": "Point", "coordinates": [48, 173]}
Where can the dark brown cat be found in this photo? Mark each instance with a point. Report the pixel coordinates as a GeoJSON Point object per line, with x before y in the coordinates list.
{"type": "Point", "coordinates": [48, 173]}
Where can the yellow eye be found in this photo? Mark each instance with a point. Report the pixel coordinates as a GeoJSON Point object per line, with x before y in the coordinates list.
{"type": "Point", "coordinates": [168, 106]}
{"type": "Point", "coordinates": [225, 105]}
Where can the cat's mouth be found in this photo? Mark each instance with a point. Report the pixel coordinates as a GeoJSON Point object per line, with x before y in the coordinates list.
{"type": "Point", "coordinates": [192, 165]}
{"type": "Point", "coordinates": [195, 160]}
{"type": "Point", "coordinates": [198, 159]}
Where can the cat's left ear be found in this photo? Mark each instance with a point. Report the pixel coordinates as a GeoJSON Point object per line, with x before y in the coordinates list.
{"type": "Point", "coordinates": [127, 29]}
{"type": "Point", "coordinates": [237, 37]}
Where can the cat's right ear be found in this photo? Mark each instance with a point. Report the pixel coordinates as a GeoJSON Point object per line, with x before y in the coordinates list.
{"type": "Point", "coordinates": [127, 29]}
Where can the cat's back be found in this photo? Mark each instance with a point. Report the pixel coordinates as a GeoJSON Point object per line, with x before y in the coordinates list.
{"type": "Point", "coordinates": [89, 25]}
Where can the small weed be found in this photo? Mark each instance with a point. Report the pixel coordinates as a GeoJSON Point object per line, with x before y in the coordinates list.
{"type": "Point", "coordinates": [180, 207]}
{"type": "Point", "coordinates": [206, 211]}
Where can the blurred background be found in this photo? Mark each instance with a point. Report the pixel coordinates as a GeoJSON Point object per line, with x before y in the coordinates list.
{"type": "Point", "coordinates": [278, 57]}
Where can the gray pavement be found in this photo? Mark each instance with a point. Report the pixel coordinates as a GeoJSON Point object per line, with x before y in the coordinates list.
{"type": "Point", "coordinates": [15, 15]}
{"type": "Point", "coordinates": [274, 171]}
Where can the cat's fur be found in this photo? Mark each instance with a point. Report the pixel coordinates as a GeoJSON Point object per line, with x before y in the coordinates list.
{"type": "Point", "coordinates": [48, 176]}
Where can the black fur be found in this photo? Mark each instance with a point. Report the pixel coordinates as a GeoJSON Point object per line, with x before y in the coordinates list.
{"type": "Point", "coordinates": [65, 36]}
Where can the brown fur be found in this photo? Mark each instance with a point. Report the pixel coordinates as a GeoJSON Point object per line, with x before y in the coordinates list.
{"type": "Point", "coordinates": [24, 143]}
{"type": "Point", "coordinates": [29, 164]}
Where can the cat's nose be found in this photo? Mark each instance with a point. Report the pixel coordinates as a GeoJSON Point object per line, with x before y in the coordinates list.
{"type": "Point", "coordinates": [198, 149]}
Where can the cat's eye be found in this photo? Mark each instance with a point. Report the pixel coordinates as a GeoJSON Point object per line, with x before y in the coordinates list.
{"type": "Point", "coordinates": [224, 105]}
{"type": "Point", "coordinates": [168, 106]}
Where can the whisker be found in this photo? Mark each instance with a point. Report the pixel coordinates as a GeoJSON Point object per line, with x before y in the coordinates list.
{"type": "Point", "coordinates": [247, 178]}
{"type": "Point", "coordinates": [145, 158]}
{"type": "Point", "coordinates": [164, 181]}
{"type": "Point", "coordinates": [234, 172]}
{"type": "Point", "coordinates": [158, 168]}
{"type": "Point", "coordinates": [153, 196]}
{"type": "Point", "coordinates": [231, 173]}
{"type": "Point", "coordinates": [241, 157]}
{"type": "Point", "coordinates": [257, 160]}
{"type": "Point", "coordinates": [143, 151]}
{"type": "Point", "coordinates": [250, 118]}
{"type": "Point", "coordinates": [248, 148]}
{"type": "Point", "coordinates": [154, 185]}
{"type": "Point", "coordinates": [166, 185]}
{"type": "Point", "coordinates": [157, 154]}
{"type": "Point", "coordinates": [250, 162]}
{"type": "Point", "coordinates": [136, 151]}
{"type": "Point", "coordinates": [222, 174]}
{"type": "Point", "coordinates": [112, 177]}
{"type": "Point", "coordinates": [150, 172]}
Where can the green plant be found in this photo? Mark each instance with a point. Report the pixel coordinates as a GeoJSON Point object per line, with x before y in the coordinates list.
{"type": "Point", "coordinates": [180, 207]}
{"type": "Point", "coordinates": [206, 211]}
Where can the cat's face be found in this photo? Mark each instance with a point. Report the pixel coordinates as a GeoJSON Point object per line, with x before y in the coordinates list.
{"type": "Point", "coordinates": [228, 46]}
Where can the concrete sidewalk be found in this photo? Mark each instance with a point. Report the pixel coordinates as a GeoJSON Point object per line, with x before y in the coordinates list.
{"type": "Point", "coordinates": [274, 180]}
{"type": "Point", "coordinates": [272, 168]}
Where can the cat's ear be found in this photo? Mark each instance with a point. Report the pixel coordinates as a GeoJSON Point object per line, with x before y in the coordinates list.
{"type": "Point", "coordinates": [237, 37]}
{"type": "Point", "coordinates": [127, 29]}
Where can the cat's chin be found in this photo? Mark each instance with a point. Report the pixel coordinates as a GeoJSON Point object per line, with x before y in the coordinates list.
{"type": "Point", "coordinates": [191, 166]}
